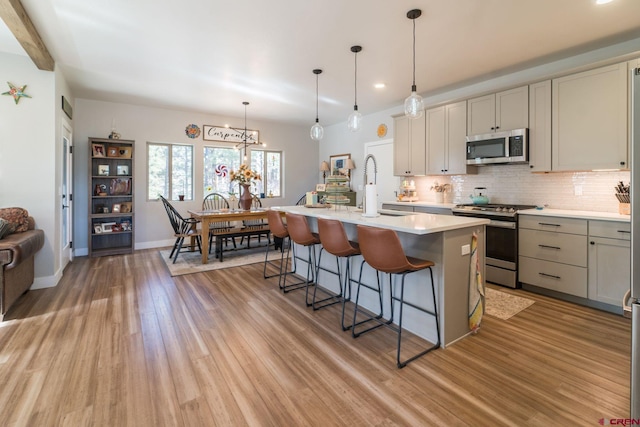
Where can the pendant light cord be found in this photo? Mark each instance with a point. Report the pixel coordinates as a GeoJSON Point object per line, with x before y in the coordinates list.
{"type": "Point", "coordinates": [355, 80]}
{"type": "Point", "coordinates": [316, 98]}
{"type": "Point", "coordinates": [414, 53]}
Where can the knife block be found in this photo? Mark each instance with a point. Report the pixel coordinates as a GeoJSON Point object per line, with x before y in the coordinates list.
{"type": "Point", "coordinates": [624, 208]}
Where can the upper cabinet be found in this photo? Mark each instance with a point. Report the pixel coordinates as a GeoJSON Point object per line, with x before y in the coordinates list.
{"type": "Point", "coordinates": [409, 146]}
{"type": "Point", "coordinates": [504, 110]}
{"type": "Point", "coordinates": [446, 139]}
{"type": "Point", "coordinates": [589, 120]}
{"type": "Point", "coordinates": [540, 126]}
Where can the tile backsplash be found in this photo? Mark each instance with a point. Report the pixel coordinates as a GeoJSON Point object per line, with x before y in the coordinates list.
{"type": "Point", "coordinates": [515, 184]}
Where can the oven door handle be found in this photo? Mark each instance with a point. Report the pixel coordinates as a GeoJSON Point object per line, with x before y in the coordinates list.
{"type": "Point", "coordinates": [502, 224]}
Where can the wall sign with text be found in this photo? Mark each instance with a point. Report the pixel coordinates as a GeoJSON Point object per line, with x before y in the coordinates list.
{"type": "Point", "coordinates": [221, 133]}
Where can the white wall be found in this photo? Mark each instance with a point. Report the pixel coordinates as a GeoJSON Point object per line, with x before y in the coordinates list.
{"type": "Point", "coordinates": [28, 155]}
{"type": "Point", "coordinates": [146, 124]}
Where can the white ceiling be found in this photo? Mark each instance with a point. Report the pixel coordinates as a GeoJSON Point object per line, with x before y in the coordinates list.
{"type": "Point", "coordinates": [210, 55]}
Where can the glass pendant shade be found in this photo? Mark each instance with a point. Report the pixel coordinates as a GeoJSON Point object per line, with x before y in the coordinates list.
{"type": "Point", "coordinates": [354, 122]}
{"type": "Point", "coordinates": [413, 105]}
{"type": "Point", "coordinates": [317, 132]}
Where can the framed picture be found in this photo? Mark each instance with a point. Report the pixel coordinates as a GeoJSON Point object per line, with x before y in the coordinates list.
{"type": "Point", "coordinates": [124, 152]}
{"type": "Point", "coordinates": [113, 152]}
{"type": "Point", "coordinates": [97, 150]}
{"type": "Point", "coordinates": [115, 208]}
{"type": "Point", "coordinates": [103, 170]}
{"type": "Point", "coordinates": [122, 170]}
{"type": "Point", "coordinates": [97, 228]}
{"type": "Point", "coordinates": [338, 165]}
{"type": "Point", "coordinates": [66, 107]}
{"type": "Point", "coordinates": [126, 207]}
{"type": "Point", "coordinates": [321, 187]}
{"type": "Point", "coordinates": [120, 187]}
{"type": "Point", "coordinates": [107, 227]}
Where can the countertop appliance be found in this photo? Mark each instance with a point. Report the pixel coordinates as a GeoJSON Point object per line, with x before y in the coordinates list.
{"type": "Point", "coordinates": [633, 309]}
{"type": "Point", "coordinates": [500, 147]}
{"type": "Point", "coordinates": [501, 263]}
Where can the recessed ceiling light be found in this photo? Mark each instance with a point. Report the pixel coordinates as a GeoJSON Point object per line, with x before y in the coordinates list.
{"type": "Point", "coordinates": [379, 85]}
{"type": "Point", "coordinates": [603, 1]}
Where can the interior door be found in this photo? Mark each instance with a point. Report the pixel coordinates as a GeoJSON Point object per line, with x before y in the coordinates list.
{"type": "Point", "coordinates": [386, 183]}
{"type": "Point", "coordinates": [67, 196]}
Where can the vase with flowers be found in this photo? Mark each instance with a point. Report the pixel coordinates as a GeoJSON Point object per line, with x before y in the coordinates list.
{"type": "Point", "coordinates": [440, 189]}
{"type": "Point", "coordinates": [245, 177]}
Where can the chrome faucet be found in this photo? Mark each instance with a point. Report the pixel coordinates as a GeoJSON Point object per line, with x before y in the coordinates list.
{"type": "Point", "coordinates": [375, 174]}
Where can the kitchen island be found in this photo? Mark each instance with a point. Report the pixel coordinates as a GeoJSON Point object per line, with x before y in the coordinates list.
{"type": "Point", "coordinates": [442, 239]}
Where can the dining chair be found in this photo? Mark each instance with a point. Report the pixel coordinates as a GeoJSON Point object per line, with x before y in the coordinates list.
{"type": "Point", "coordinates": [256, 203]}
{"type": "Point", "coordinates": [213, 202]}
{"type": "Point", "coordinates": [182, 228]}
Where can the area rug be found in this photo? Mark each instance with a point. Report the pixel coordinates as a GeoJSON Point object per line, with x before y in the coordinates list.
{"type": "Point", "coordinates": [191, 262]}
{"type": "Point", "coordinates": [503, 305]}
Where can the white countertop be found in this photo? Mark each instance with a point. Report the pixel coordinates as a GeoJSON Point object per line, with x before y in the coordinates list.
{"type": "Point", "coordinates": [405, 222]}
{"type": "Point", "coordinates": [566, 213]}
{"type": "Point", "coordinates": [421, 203]}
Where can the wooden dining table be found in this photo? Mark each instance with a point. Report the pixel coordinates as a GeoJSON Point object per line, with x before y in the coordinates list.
{"type": "Point", "coordinates": [208, 217]}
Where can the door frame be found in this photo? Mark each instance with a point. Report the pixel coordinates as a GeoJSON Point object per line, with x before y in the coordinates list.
{"type": "Point", "coordinates": [66, 195]}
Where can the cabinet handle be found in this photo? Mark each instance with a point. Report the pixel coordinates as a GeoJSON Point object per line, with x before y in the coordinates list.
{"type": "Point", "coordinates": [531, 166]}
{"type": "Point", "coordinates": [549, 224]}
{"type": "Point", "coordinates": [549, 275]}
{"type": "Point", "coordinates": [497, 127]}
{"type": "Point", "coordinates": [592, 242]}
{"type": "Point", "coordinates": [622, 163]}
{"type": "Point", "coordinates": [493, 128]}
{"type": "Point", "coordinates": [550, 247]}
{"type": "Point", "coordinates": [624, 231]}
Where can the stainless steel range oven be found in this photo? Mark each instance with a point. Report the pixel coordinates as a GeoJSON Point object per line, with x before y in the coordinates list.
{"type": "Point", "coordinates": [501, 265]}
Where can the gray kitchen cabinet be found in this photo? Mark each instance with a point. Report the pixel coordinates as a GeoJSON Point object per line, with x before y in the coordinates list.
{"type": "Point", "coordinates": [540, 126]}
{"type": "Point", "coordinates": [499, 111]}
{"type": "Point", "coordinates": [446, 130]}
{"type": "Point", "coordinates": [609, 261]}
{"type": "Point", "coordinates": [553, 253]}
{"type": "Point", "coordinates": [589, 120]}
{"type": "Point", "coordinates": [409, 146]}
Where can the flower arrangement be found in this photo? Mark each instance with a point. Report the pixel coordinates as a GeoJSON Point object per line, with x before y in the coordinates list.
{"type": "Point", "coordinates": [244, 175]}
{"type": "Point", "coordinates": [440, 188]}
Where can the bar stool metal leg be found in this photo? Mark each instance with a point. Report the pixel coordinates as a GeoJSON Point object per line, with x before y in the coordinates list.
{"type": "Point", "coordinates": [369, 317]}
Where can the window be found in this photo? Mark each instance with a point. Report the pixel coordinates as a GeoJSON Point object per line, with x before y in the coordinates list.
{"type": "Point", "coordinates": [217, 160]}
{"type": "Point", "coordinates": [269, 165]}
{"type": "Point", "coordinates": [170, 171]}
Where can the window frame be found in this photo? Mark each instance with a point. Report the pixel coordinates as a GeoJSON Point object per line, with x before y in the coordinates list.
{"type": "Point", "coordinates": [263, 172]}
{"type": "Point", "coordinates": [170, 145]}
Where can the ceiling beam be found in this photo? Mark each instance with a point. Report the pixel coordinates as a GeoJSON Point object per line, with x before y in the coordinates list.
{"type": "Point", "coordinates": [16, 18]}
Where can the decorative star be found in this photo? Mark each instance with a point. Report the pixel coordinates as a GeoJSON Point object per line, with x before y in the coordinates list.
{"type": "Point", "coordinates": [16, 92]}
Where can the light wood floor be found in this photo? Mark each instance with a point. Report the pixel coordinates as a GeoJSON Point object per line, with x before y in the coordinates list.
{"type": "Point", "coordinates": [119, 342]}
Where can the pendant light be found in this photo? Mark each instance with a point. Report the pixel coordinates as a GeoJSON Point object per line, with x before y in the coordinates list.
{"type": "Point", "coordinates": [316, 130]}
{"type": "Point", "coordinates": [245, 103]}
{"type": "Point", "coordinates": [355, 119]}
{"type": "Point", "coordinates": [413, 105]}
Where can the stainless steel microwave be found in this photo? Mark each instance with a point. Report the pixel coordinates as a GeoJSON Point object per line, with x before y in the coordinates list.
{"type": "Point", "coordinates": [500, 147]}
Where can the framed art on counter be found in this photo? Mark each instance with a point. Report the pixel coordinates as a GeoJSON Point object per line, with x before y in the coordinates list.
{"type": "Point", "coordinates": [338, 164]}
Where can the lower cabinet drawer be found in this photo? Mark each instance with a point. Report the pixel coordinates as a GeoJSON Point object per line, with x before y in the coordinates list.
{"type": "Point", "coordinates": [555, 247]}
{"type": "Point", "coordinates": [554, 276]}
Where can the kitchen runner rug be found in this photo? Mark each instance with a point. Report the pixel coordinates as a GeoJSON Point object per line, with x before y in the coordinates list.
{"type": "Point", "coordinates": [503, 305]}
{"type": "Point", "coordinates": [191, 262]}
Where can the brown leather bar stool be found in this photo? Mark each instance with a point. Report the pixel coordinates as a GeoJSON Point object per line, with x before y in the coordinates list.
{"type": "Point", "coordinates": [301, 234]}
{"type": "Point", "coordinates": [335, 241]}
{"type": "Point", "coordinates": [382, 250]}
{"type": "Point", "coordinates": [281, 240]}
